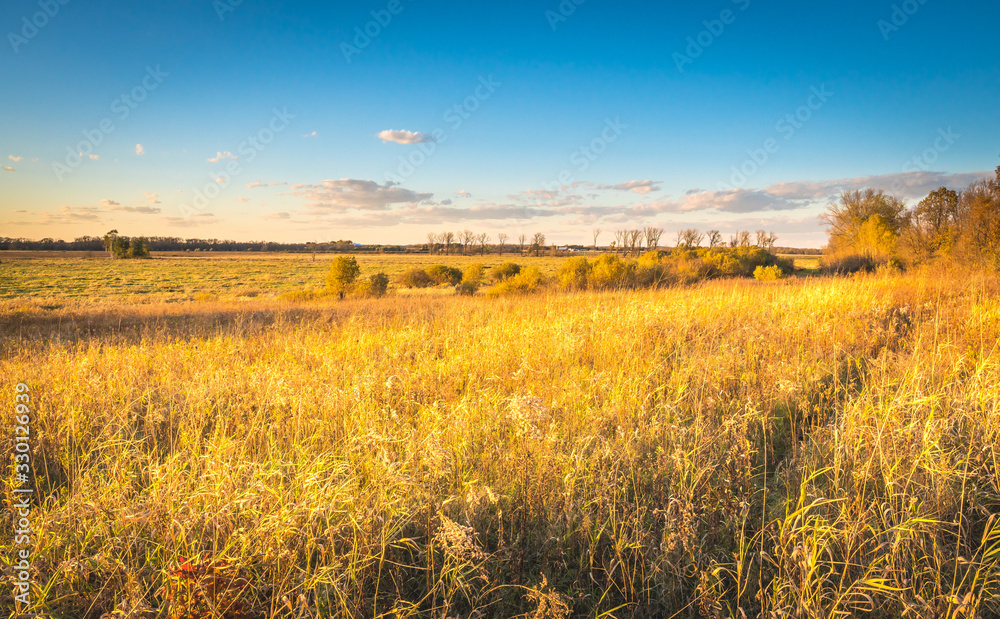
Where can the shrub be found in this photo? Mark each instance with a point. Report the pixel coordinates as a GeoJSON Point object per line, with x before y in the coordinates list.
{"type": "Point", "coordinates": [415, 278]}
{"type": "Point", "coordinates": [441, 274]}
{"type": "Point", "coordinates": [472, 278]}
{"type": "Point", "coordinates": [768, 274]}
{"type": "Point", "coordinates": [344, 271]}
{"type": "Point", "coordinates": [575, 274]}
{"type": "Point", "coordinates": [610, 271]}
{"type": "Point", "coordinates": [376, 286]}
{"type": "Point", "coordinates": [845, 264]}
{"type": "Point", "coordinates": [505, 271]}
{"type": "Point", "coordinates": [527, 281]}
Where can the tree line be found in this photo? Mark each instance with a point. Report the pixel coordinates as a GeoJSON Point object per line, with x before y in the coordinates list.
{"type": "Point", "coordinates": [869, 227]}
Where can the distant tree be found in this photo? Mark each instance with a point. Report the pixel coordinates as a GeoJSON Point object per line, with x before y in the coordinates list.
{"type": "Point", "coordinates": [138, 248]}
{"type": "Point", "coordinates": [538, 243]}
{"type": "Point", "coordinates": [448, 238]}
{"type": "Point", "coordinates": [483, 240]}
{"type": "Point", "coordinates": [865, 222]}
{"type": "Point", "coordinates": [343, 273]}
{"type": "Point", "coordinates": [502, 239]}
{"type": "Point", "coordinates": [653, 236]}
{"type": "Point", "coordinates": [714, 238]}
{"type": "Point", "coordinates": [467, 237]}
{"type": "Point", "coordinates": [620, 239]}
{"type": "Point", "coordinates": [109, 242]}
{"type": "Point", "coordinates": [766, 240]}
{"type": "Point", "coordinates": [522, 240]}
{"type": "Point", "coordinates": [634, 239]}
{"type": "Point", "coordinates": [597, 233]}
{"type": "Point", "coordinates": [431, 242]}
{"type": "Point", "coordinates": [689, 238]}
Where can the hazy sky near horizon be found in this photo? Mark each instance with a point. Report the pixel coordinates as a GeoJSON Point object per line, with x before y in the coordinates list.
{"type": "Point", "coordinates": [383, 120]}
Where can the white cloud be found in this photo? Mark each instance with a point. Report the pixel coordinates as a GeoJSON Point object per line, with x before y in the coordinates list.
{"type": "Point", "coordinates": [348, 193]}
{"type": "Point", "coordinates": [222, 156]}
{"type": "Point", "coordinates": [14, 159]}
{"type": "Point", "coordinates": [464, 194]}
{"type": "Point", "coordinates": [109, 203]}
{"type": "Point", "coordinates": [9, 169]}
{"type": "Point", "coordinates": [151, 198]}
{"type": "Point", "coordinates": [310, 135]}
{"type": "Point", "coordinates": [139, 150]}
{"type": "Point", "coordinates": [244, 200]}
{"type": "Point", "coordinates": [93, 157]}
{"type": "Point", "coordinates": [404, 137]}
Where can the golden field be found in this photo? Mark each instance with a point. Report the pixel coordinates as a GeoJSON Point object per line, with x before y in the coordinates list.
{"type": "Point", "coordinates": [815, 447]}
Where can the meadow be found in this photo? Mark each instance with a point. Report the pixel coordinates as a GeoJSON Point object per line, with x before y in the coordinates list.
{"type": "Point", "coordinates": [811, 447]}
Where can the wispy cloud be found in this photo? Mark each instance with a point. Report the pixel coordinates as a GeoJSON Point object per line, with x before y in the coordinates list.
{"type": "Point", "coordinates": [191, 222]}
{"type": "Point", "coordinates": [464, 194]}
{"type": "Point", "coordinates": [404, 137]}
{"type": "Point", "coordinates": [143, 210]}
{"type": "Point", "coordinates": [14, 159]}
{"type": "Point", "coordinates": [151, 198]}
{"type": "Point", "coordinates": [348, 193]}
{"type": "Point", "coordinates": [139, 150]}
{"type": "Point", "coordinates": [640, 187]}
{"type": "Point", "coordinates": [8, 168]}
{"type": "Point", "coordinates": [109, 203]}
{"type": "Point", "coordinates": [310, 135]}
{"type": "Point", "coordinates": [259, 184]}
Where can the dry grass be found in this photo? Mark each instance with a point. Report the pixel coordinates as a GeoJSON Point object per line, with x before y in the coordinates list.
{"type": "Point", "coordinates": [818, 449]}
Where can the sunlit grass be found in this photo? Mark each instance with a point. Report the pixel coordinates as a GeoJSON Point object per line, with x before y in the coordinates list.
{"type": "Point", "coordinates": [822, 448]}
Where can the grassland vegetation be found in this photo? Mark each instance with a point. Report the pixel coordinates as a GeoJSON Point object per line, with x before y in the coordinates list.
{"type": "Point", "coordinates": [826, 447]}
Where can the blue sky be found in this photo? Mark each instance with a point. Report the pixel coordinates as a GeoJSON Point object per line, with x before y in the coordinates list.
{"type": "Point", "coordinates": [502, 117]}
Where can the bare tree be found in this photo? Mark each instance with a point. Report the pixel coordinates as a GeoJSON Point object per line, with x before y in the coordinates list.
{"type": "Point", "coordinates": [653, 236]}
{"type": "Point", "coordinates": [538, 243]}
{"type": "Point", "coordinates": [745, 238]}
{"type": "Point", "coordinates": [714, 238]}
{"type": "Point", "coordinates": [467, 237]}
{"type": "Point", "coordinates": [620, 236]}
{"type": "Point", "coordinates": [597, 233]}
{"type": "Point", "coordinates": [483, 240]}
{"type": "Point", "coordinates": [635, 241]}
{"type": "Point", "coordinates": [766, 240]}
{"type": "Point", "coordinates": [689, 238]}
{"type": "Point", "coordinates": [431, 242]}
{"type": "Point", "coordinates": [501, 238]}
{"type": "Point", "coordinates": [449, 239]}
{"type": "Point", "coordinates": [522, 239]}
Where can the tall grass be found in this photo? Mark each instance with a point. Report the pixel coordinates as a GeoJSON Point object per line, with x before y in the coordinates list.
{"type": "Point", "coordinates": [826, 448]}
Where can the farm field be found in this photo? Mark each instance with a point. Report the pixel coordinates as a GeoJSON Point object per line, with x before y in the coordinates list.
{"type": "Point", "coordinates": [96, 280]}
{"type": "Point", "coordinates": [813, 447]}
